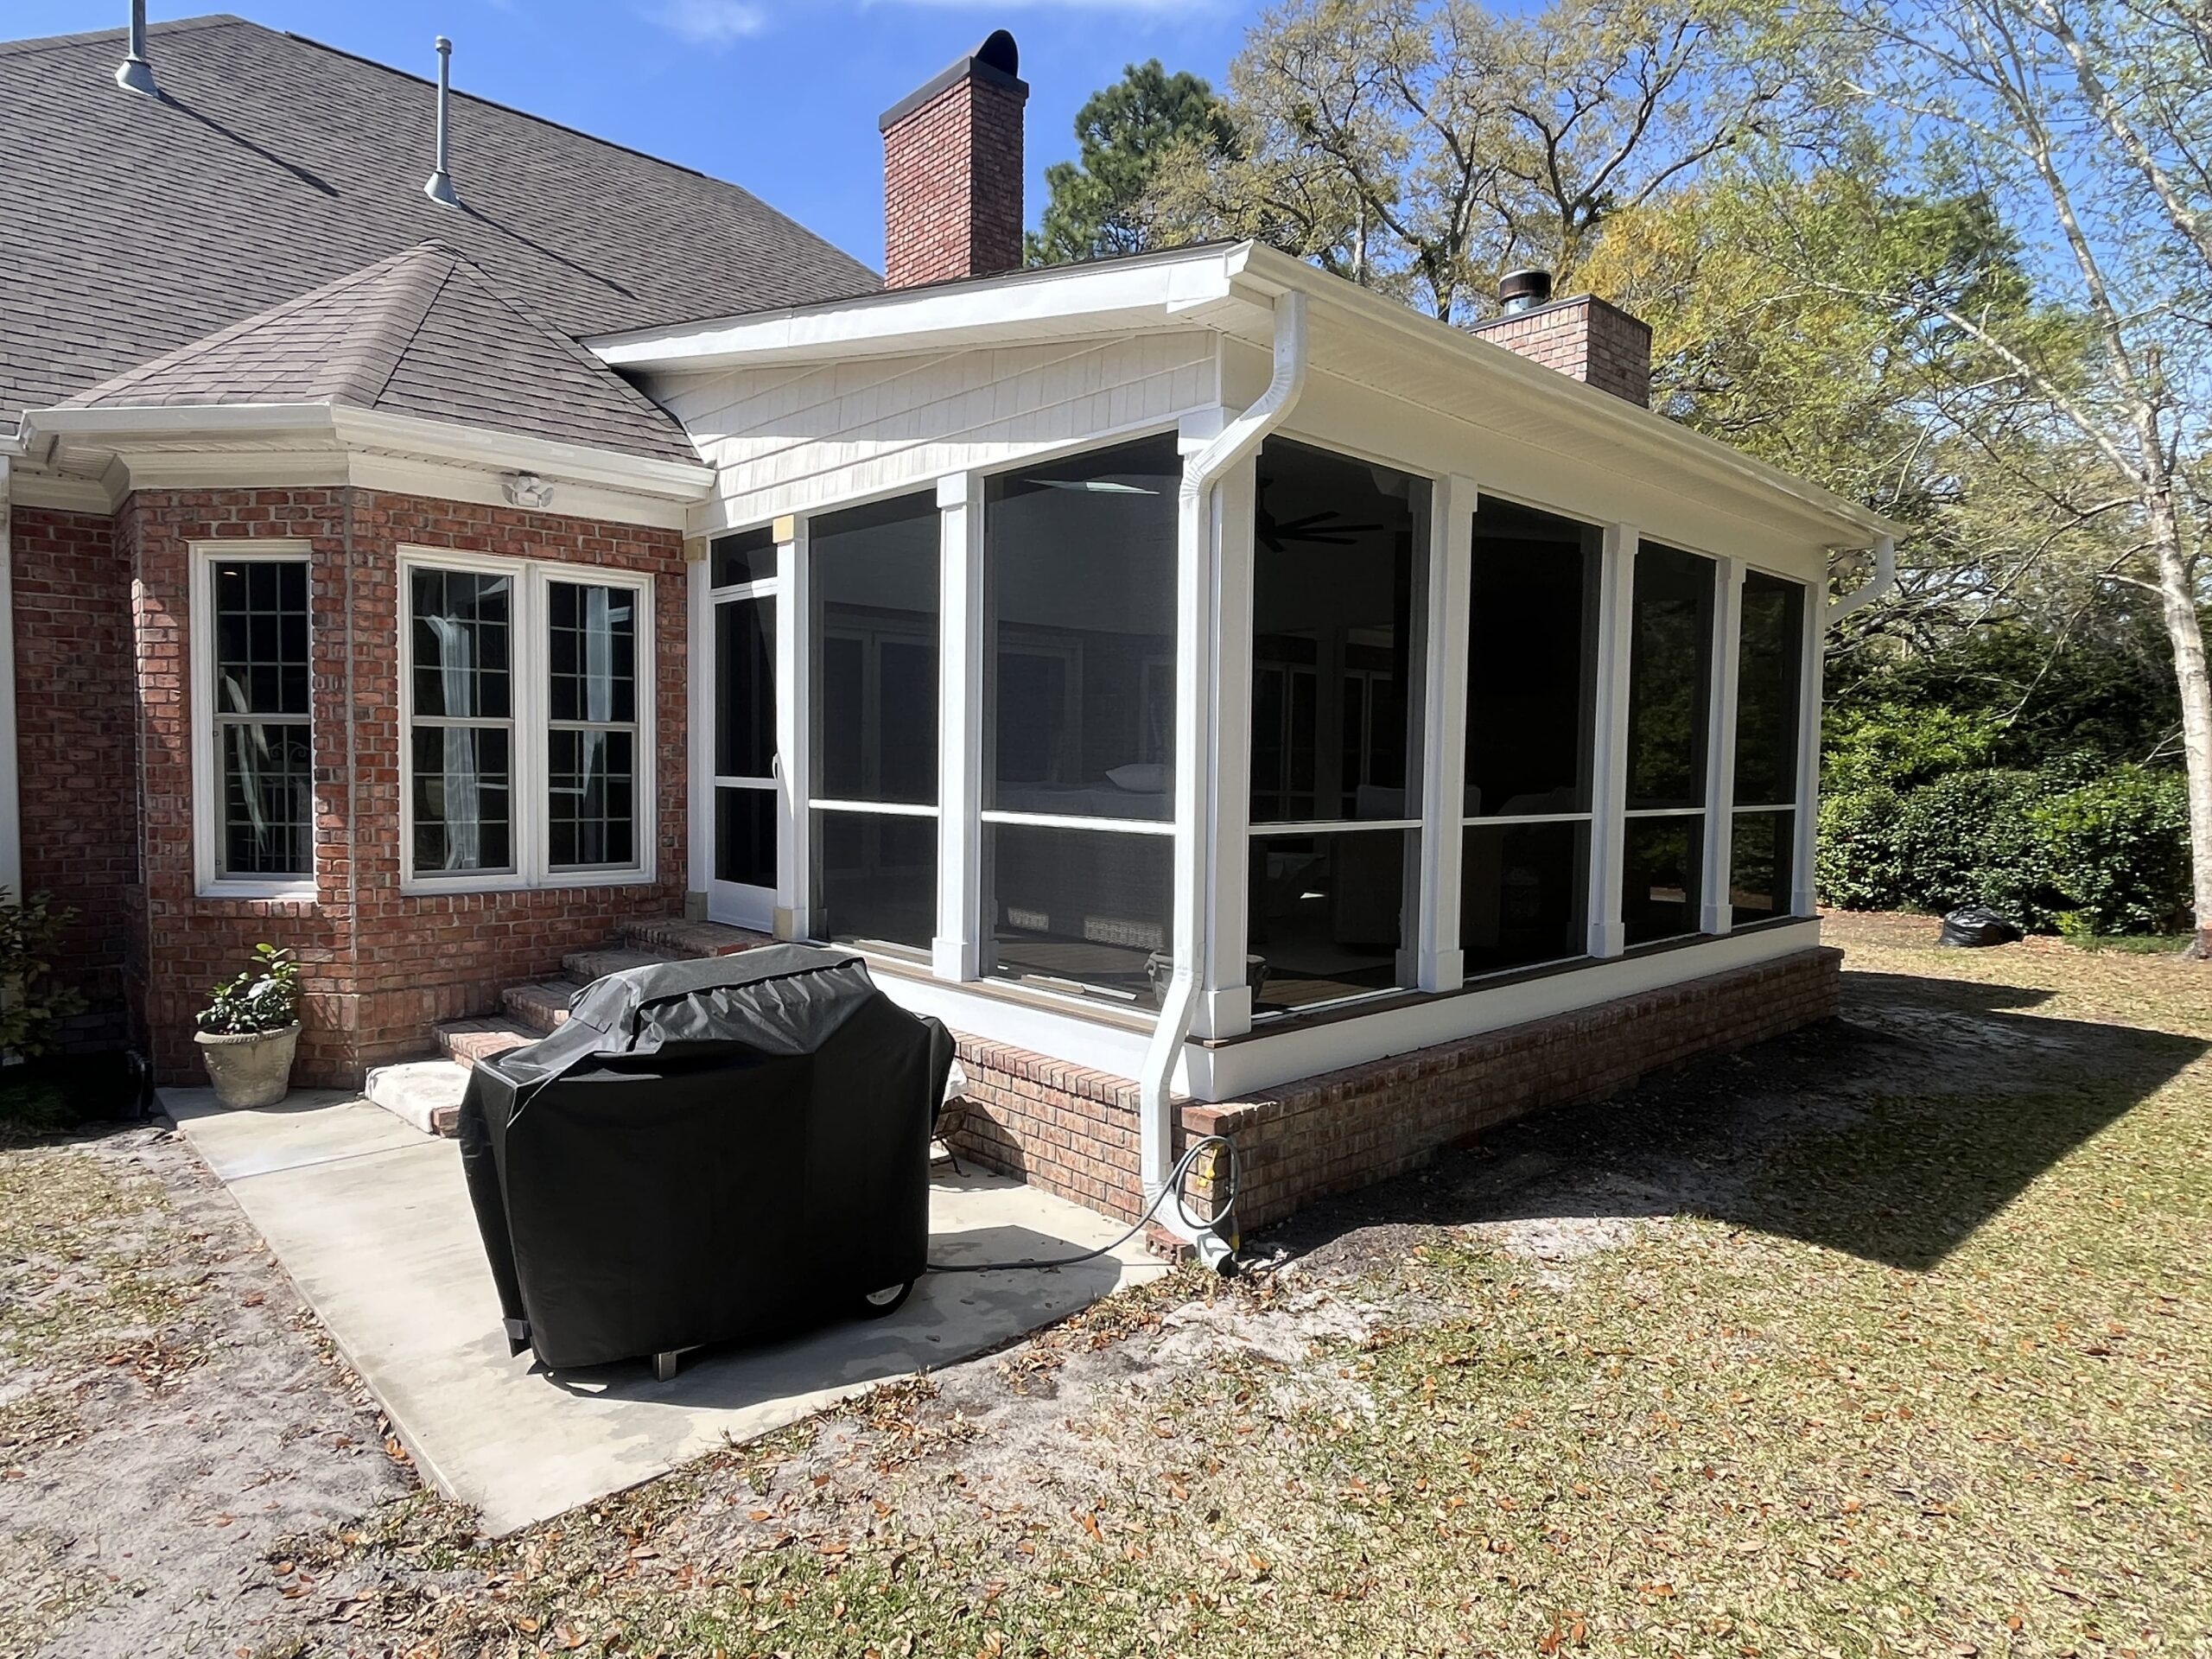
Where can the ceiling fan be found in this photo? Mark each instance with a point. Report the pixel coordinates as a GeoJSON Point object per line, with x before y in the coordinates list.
{"type": "Point", "coordinates": [1314, 530]}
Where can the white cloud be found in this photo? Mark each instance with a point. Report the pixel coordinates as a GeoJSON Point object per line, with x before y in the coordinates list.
{"type": "Point", "coordinates": [711, 22]}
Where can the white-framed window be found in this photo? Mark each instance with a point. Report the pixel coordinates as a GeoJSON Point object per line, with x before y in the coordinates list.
{"type": "Point", "coordinates": [252, 720]}
{"type": "Point", "coordinates": [526, 695]}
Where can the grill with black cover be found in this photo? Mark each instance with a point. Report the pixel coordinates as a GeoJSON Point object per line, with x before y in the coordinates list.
{"type": "Point", "coordinates": [706, 1151]}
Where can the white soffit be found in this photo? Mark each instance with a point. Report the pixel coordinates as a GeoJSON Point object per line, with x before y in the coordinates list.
{"type": "Point", "coordinates": [1358, 336]}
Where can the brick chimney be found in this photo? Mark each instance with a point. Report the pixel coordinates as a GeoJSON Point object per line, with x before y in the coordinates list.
{"type": "Point", "coordinates": [952, 171]}
{"type": "Point", "coordinates": [1597, 343]}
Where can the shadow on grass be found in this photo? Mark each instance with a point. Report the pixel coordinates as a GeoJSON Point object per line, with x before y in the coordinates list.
{"type": "Point", "coordinates": [1894, 1134]}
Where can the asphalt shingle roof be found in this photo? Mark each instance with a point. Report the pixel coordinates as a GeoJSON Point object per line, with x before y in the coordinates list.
{"type": "Point", "coordinates": [272, 165]}
{"type": "Point", "coordinates": [423, 333]}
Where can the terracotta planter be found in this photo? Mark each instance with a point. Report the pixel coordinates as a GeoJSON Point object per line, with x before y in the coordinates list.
{"type": "Point", "coordinates": [250, 1068]}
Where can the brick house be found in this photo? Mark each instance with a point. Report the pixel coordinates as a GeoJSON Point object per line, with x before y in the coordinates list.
{"type": "Point", "coordinates": [1228, 699]}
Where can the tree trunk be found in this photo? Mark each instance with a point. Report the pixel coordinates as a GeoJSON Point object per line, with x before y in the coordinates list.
{"type": "Point", "coordinates": [2186, 635]}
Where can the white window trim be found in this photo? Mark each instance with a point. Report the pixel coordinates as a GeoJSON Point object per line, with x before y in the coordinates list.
{"type": "Point", "coordinates": [207, 769]}
{"type": "Point", "coordinates": [532, 717]}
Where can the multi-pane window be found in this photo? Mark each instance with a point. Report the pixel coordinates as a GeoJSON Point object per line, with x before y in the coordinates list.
{"type": "Point", "coordinates": [463, 736]}
{"type": "Point", "coordinates": [1769, 686]}
{"type": "Point", "coordinates": [1339, 603]}
{"type": "Point", "coordinates": [1671, 681]}
{"type": "Point", "coordinates": [526, 744]}
{"type": "Point", "coordinates": [259, 699]}
{"type": "Point", "coordinates": [592, 737]}
{"type": "Point", "coordinates": [1532, 670]}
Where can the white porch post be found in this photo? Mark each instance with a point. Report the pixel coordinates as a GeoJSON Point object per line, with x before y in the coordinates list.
{"type": "Point", "coordinates": [699, 669]}
{"type": "Point", "coordinates": [1441, 965]}
{"type": "Point", "coordinates": [11, 823]}
{"type": "Point", "coordinates": [794, 729]}
{"type": "Point", "coordinates": [1225, 1001]}
{"type": "Point", "coordinates": [956, 953]}
{"type": "Point", "coordinates": [1803, 900]}
{"type": "Point", "coordinates": [1609, 782]}
{"type": "Point", "coordinates": [1716, 913]}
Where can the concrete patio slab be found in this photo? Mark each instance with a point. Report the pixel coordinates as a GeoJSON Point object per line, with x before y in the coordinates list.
{"type": "Point", "coordinates": [372, 1221]}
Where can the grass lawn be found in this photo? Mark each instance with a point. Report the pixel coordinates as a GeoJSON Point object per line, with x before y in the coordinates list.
{"type": "Point", "coordinates": [1894, 1337]}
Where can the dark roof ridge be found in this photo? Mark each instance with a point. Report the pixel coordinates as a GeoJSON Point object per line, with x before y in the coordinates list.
{"type": "Point", "coordinates": [87, 37]}
{"type": "Point", "coordinates": [566, 342]}
{"type": "Point", "coordinates": [192, 348]}
{"type": "Point", "coordinates": [396, 329]}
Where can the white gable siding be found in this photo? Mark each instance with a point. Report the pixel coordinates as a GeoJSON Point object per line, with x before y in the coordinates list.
{"type": "Point", "coordinates": [791, 440]}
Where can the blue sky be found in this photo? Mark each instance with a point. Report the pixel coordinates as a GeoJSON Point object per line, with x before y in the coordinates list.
{"type": "Point", "coordinates": [780, 95]}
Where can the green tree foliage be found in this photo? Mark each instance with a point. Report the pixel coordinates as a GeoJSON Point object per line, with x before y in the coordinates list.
{"type": "Point", "coordinates": [1097, 206]}
{"type": "Point", "coordinates": [1424, 147]}
{"type": "Point", "coordinates": [34, 1007]}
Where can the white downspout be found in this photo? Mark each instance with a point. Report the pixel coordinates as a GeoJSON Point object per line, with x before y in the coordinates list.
{"type": "Point", "coordinates": [11, 827]}
{"type": "Point", "coordinates": [1884, 579]}
{"type": "Point", "coordinates": [1195, 610]}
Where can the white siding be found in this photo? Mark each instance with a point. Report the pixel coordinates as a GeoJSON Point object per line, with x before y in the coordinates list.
{"type": "Point", "coordinates": [790, 440]}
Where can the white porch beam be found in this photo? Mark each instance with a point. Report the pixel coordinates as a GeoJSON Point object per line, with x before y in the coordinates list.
{"type": "Point", "coordinates": [794, 728]}
{"type": "Point", "coordinates": [1716, 914]}
{"type": "Point", "coordinates": [956, 953]}
{"type": "Point", "coordinates": [1609, 781]}
{"type": "Point", "coordinates": [1441, 965]}
{"type": "Point", "coordinates": [1225, 1001]}
{"type": "Point", "coordinates": [1803, 897]}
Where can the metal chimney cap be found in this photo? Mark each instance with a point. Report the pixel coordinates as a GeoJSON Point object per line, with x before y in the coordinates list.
{"type": "Point", "coordinates": [1523, 289]}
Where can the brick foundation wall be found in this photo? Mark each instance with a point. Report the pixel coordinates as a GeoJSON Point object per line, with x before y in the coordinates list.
{"type": "Point", "coordinates": [76, 750]}
{"type": "Point", "coordinates": [1074, 1132]}
{"type": "Point", "coordinates": [1584, 338]}
{"type": "Point", "coordinates": [380, 966]}
{"type": "Point", "coordinates": [952, 182]}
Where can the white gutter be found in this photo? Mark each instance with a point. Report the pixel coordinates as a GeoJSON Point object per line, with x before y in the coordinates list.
{"type": "Point", "coordinates": [1194, 782]}
{"type": "Point", "coordinates": [1884, 579]}
{"type": "Point", "coordinates": [344, 427]}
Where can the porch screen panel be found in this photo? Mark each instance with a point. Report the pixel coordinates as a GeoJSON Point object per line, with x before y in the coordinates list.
{"type": "Point", "coordinates": [462, 738]}
{"type": "Point", "coordinates": [263, 732]}
{"type": "Point", "coordinates": [592, 752]}
{"type": "Point", "coordinates": [873, 648]}
{"type": "Point", "coordinates": [1339, 606]}
{"type": "Point", "coordinates": [1532, 673]}
{"type": "Point", "coordinates": [1079, 719]}
{"type": "Point", "coordinates": [1770, 687]}
{"type": "Point", "coordinates": [1671, 680]}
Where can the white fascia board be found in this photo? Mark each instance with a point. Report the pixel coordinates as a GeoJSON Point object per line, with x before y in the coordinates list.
{"type": "Point", "coordinates": [1266, 272]}
{"type": "Point", "coordinates": [1231, 289]}
{"type": "Point", "coordinates": [1114, 297]}
{"type": "Point", "coordinates": [685, 480]}
{"type": "Point", "coordinates": [334, 429]}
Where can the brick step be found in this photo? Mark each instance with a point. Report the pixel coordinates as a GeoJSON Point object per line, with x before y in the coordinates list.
{"type": "Point", "coordinates": [670, 935]}
{"type": "Point", "coordinates": [470, 1040]}
{"type": "Point", "coordinates": [542, 1005]}
{"type": "Point", "coordinates": [585, 966]}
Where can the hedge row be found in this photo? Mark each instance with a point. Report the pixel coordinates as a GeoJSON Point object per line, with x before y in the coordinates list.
{"type": "Point", "coordinates": [2107, 854]}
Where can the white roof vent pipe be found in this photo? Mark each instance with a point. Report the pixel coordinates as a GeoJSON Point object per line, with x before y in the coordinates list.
{"type": "Point", "coordinates": [135, 75]}
{"type": "Point", "coordinates": [439, 185]}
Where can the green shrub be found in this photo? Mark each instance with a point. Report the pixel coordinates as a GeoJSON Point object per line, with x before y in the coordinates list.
{"type": "Point", "coordinates": [2067, 847]}
{"type": "Point", "coordinates": [1892, 746]}
{"type": "Point", "coordinates": [1857, 867]}
{"type": "Point", "coordinates": [2118, 851]}
{"type": "Point", "coordinates": [265, 997]}
{"type": "Point", "coordinates": [30, 934]}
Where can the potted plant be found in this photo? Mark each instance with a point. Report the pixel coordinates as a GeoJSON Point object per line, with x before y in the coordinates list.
{"type": "Point", "coordinates": [248, 1031]}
